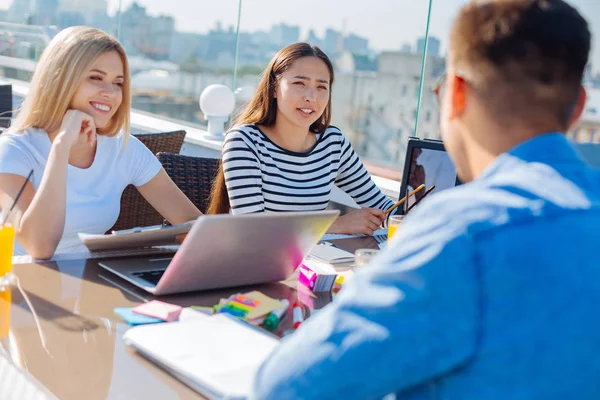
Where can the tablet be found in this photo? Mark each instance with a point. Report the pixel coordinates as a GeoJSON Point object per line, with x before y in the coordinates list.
{"type": "Point", "coordinates": [428, 163]}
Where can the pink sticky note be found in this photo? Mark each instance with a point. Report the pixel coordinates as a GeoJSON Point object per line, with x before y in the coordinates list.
{"type": "Point", "coordinates": [159, 309]}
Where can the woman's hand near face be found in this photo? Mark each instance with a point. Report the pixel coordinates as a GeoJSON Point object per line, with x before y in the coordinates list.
{"type": "Point", "coordinates": [364, 221]}
{"type": "Point", "coordinates": [77, 128]}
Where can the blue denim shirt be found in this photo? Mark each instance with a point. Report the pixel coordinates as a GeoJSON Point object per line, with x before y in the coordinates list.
{"type": "Point", "coordinates": [490, 290]}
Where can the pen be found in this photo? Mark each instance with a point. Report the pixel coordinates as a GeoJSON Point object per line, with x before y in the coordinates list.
{"type": "Point", "coordinates": [138, 229]}
{"type": "Point", "coordinates": [402, 200]}
{"type": "Point", "coordinates": [298, 315]}
{"type": "Point", "coordinates": [272, 320]}
{"type": "Point", "coordinates": [422, 197]}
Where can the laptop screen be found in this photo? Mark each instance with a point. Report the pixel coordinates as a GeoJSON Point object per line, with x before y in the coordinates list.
{"type": "Point", "coordinates": [428, 163]}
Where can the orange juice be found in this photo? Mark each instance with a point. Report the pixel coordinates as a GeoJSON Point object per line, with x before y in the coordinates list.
{"type": "Point", "coordinates": [391, 230]}
{"type": "Point", "coordinates": [7, 238]}
{"type": "Point", "coordinates": [4, 311]}
{"type": "Point", "coordinates": [393, 223]}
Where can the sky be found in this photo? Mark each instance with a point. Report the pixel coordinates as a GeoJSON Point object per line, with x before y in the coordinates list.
{"type": "Point", "coordinates": [388, 24]}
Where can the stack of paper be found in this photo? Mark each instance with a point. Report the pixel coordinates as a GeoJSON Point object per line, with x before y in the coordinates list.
{"type": "Point", "coordinates": [331, 255]}
{"type": "Point", "coordinates": [218, 356]}
{"type": "Point", "coordinates": [316, 275]}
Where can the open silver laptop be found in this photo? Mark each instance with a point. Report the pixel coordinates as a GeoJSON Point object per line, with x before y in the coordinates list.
{"type": "Point", "coordinates": [226, 250]}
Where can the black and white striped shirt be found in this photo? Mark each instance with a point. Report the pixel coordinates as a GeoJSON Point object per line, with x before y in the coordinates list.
{"type": "Point", "coordinates": [262, 176]}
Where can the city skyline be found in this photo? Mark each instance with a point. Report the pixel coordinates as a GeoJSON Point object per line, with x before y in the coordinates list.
{"type": "Point", "coordinates": [376, 23]}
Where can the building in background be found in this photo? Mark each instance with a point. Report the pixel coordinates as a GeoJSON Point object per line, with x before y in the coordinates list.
{"type": "Point", "coordinates": [67, 19]}
{"type": "Point", "coordinates": [356, 44]}
{"type": "Point", "coordinates": [313, 39]}
{"type": "Point", "coordinates": [333, 44]}
{"type": "Point", "coordinates": [376, 107]}
{"type": "Point", "coordinates": [44, 12]}
{"type": "Point", "coordinates": [433, 46]}
{"type": "Point", "coordinates": [142, 34]}
{"type": "Point", "coordinates": [86, 8]}
{"type": "Point", "coordinates": [283, 34]}
{"type": "Point", "coordinates": [33, 12]}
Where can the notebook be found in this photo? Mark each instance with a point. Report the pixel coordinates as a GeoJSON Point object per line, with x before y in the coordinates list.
{"type": "Point", "coordinates": [218, 356]}
{"type": "Point", "coordinates": [331, 254]}
{"type": "Point", "coordinates": [137, 237]}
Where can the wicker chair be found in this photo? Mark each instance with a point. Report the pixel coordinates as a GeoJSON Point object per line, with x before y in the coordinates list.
{"type": "Point", "coordinates": [6, 106]}
{"type": "Point", "coordinates": [135, 210]}
{"type": "Point", "coordinates": [193, 175]}
{"type": "Point", "coordinates": [168, 142]}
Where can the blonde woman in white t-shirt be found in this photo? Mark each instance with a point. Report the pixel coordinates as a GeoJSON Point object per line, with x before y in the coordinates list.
{"type": "Point", "coordinates": [73, 132]}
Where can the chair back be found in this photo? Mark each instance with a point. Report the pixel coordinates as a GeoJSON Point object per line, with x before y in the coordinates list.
{"type": "Point", "coordinates": [193, 175]}
{"type": "Point", "coordinates": [168, 142]}
{"type": "Point", "coordinates": [6, 106]}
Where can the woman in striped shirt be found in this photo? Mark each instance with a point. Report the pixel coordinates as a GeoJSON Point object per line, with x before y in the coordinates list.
{"type": "Point", "coordinates": [282, 154]}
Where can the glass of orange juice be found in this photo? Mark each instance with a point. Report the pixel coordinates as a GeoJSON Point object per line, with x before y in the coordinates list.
{"type": "Point", "coordinates": [7, 239]}
{"type": "Point", "coordinates": [5, 298]}
{"type": "Point", "coordinates": [393, 222]}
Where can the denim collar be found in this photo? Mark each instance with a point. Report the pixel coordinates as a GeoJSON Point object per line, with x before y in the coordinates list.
{"type": "Point", "coordinates": [549, 148]}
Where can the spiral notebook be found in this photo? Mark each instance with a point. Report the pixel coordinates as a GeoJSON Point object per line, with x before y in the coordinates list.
{"type": "Point", "coordinates": [331, 255]}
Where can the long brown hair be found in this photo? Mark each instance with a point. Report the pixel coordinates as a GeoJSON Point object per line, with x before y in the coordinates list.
{"type": "Point", "coordinates": [262, 109]}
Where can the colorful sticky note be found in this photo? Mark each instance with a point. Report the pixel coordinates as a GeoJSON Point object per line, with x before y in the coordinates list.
{"type": "Point", "coordinates": [233, 311]}
{"type": "Point", "coordinates": [245, 300]}
{"type": "Point", "coordinates": [265, 305]}
{"type": "Point", "coordinates": [159, 309]}
{"type": "Point", "coordinates": [241, 306]}
{"type": "Point", "coordinates": [134, 319]}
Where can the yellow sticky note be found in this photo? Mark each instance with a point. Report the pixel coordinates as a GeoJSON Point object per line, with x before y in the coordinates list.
{"type": "Point", "coordinates": [265, 306]}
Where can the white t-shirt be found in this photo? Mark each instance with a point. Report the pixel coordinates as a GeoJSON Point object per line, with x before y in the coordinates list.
{"type": "Point", "coordinates": [94, 193]}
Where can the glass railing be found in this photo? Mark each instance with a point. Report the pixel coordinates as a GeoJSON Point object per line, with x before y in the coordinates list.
{"type": "Point", "coordinates": [382, 92]}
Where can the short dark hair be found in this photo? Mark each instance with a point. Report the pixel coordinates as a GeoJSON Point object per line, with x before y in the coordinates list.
{"type": "Point", "coordinates": [524, 57]}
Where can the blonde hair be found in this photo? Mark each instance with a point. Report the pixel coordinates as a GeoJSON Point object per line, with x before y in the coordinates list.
{"type": "Point", "coordinates": [58, 74]}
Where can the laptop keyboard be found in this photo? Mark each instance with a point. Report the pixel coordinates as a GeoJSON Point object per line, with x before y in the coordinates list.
{"type": "Point", "coordinates": [150, 276]}
{"type": "Point", "coordinates": [116, 253]}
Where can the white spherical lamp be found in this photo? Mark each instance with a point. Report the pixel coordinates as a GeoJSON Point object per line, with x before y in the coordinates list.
{"type": "Point", "coordinates": [217, 103]}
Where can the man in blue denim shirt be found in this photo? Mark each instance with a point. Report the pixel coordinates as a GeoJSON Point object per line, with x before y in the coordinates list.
{"type": "Point", "coordinates": [489, 290]}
